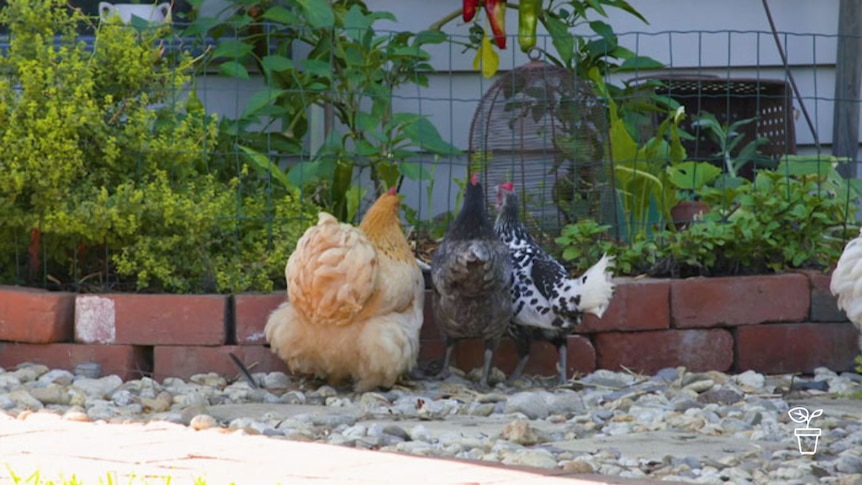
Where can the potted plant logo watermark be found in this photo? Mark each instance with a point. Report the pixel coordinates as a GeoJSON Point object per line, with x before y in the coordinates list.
{"type": "Point", "coordinates": [806, 437]}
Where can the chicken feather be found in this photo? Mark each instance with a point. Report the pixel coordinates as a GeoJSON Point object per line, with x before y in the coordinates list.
{"type": "Point", "coordinates": [548, 303]}
{"type": "Point", "coordinates": [471, 273]}
{"type": "Point", "coordinates": [355, 299]}
{"type": "Point", "coordinates": [324, 291]}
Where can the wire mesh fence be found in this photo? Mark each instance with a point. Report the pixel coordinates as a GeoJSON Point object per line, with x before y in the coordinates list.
{"type": "Point", "coordinates": [191, 155]}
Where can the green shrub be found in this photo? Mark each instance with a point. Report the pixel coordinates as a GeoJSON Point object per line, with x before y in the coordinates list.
{"type": "Point", "coordinates": [104, 177]}
{"type": "Point", "coordinates": [796, 217]}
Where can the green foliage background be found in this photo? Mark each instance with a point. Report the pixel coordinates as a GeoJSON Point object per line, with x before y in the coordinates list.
{"type": "Point", "coordinates": [105, 176]}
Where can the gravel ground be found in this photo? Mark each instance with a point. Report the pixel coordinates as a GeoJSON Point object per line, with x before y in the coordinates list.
{"type": "Point", "coordinates": [677, 425]}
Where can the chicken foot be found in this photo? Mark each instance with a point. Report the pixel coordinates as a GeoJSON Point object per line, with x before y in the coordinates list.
{"type": "Point", "coordinates": [523, 348]}
{"type": "Point", "coordinates": [524, 357]}
{"type": "Point", "coordinates": [429, 374]}
{"type": "Point", "coordinates": [491, 345]}
{"type": "Point", "coordinates": [563, 362]}
{"type": "Point", "coordinates": [490, 348]}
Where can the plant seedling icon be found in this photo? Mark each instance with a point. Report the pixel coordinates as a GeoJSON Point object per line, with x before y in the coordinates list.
{"type": "Point", "coordinates": [806, 437]}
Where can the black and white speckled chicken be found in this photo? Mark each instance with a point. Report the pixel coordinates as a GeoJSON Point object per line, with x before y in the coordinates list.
{"type": "Point", "coordinates": [547, 302]}
{"type": "Point", "coordinates": [471, 273]}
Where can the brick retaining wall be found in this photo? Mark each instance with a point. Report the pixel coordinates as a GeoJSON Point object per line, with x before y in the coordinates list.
{"type": "Point", "coordinates": [773, 324]}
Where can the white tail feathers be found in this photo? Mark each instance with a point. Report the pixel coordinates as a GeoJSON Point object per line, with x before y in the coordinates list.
{"type": "Point", "coordinates": [597, 287]}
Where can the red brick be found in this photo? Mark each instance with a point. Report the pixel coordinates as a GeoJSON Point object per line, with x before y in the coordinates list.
{"type": "Point", "coordinates": [126, 361]}
{"type": "Point", "coordinates": [638, 304]}
{"type": "Point", "coordinates": [252, 311]}
{"type": "Point", "coordinates": [429, 331]}
{"type": "Point", "coordinates": [431, 349]}
{"type": "Point", "coordinates": [796, 347]}
{"type": "Point", "coordinates": [647, 352]}
{"type": "Point", "coordinates": [35, 316]}
{"type": "Point", "coordinates": [709, 302]}
{"type": "Point", "coordinates": [824, 306]}
{"type": "Point", "coordinates": [429, 328]}
{"type": "Point", "coordinates": [151, 319]}
{"type": "Point", "coordinates": [470, 354]}
{"type": "Point", "coordinates": [186, 361]}
{"type": "Point", "coordinates": [817, 280]}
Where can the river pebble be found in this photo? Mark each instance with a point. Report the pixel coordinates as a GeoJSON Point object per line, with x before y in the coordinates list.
{"type": "Point", "coordinates": [526, 424]}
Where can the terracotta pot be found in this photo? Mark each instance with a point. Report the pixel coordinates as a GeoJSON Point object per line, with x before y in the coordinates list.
{"type": "Point", "coordinates": [686, 211]}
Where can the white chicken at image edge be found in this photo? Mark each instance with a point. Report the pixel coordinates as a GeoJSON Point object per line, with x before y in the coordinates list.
{"type": "Point", "coordinates": [846, 282]}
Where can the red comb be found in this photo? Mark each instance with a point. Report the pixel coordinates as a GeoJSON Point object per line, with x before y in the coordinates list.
{"type": "Point", "coordinates": [393, 190]}
{"type": "Point", "coordinates": [508, 186]}
{"type": "Point", "coordinates": [474, 179]}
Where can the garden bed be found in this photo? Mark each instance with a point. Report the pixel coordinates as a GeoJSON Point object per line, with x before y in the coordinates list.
{"type": "Point", "coordinates": [785, 323]}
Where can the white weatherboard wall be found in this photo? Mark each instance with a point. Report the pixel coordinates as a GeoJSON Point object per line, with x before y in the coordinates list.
{"type": "Point", "coordinates": [729, 38]}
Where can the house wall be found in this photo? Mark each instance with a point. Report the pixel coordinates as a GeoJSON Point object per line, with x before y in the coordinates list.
{"type": "Point", "coordinates": [730, 39]}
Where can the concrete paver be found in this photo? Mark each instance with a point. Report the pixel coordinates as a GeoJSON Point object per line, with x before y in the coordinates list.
{"type": "Point", "coordinates": [156, 451]}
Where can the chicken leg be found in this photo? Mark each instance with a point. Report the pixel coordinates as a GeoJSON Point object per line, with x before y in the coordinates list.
{"type": "Point", "coordinates": [447, 359]}
{"type": "Point", "coordinates": [523, 347]}
{"type": "Point", "coordinates": [563, 354]}
{"type": "Point", "coordinates": [491, 345]}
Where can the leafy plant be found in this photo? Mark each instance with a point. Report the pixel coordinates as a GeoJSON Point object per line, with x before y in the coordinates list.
{"type": "Point", "coordinates": [578, 240]}
{"type": "Point", "coordinates": [602, 50]}
{"type": "Point", "coordinates": [641, 172]}
{"type": "Point", "coordinates": [430, 229]}
{"type": "Point", "coordinates": [110, 478]}
{"type": "Point", "coordinates": [105, 176]}
{"type": "Point", "coordinates": [692, 176]}
{"type": "Point", "coordinates": [797, 216]}
{"type": "Point", "coordinates": [775, 223]}
{"type": "Point", "coordinates": [564, 21]}
{"type": "Point", "coordinates": [728, 138]}
{"type": "Point", "coordinates": [350, 70]}
{"type": "Point", "coordinates": [585, 241]}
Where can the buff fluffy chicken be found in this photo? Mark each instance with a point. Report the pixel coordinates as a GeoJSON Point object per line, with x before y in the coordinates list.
{"type": "Point", "coordinates": [846, 282]}
{"type": "Point", "coordinates": [547, 303]}
{"type": "Point", "coordinates": [354, 301]}
{"type": "Point", "coordinates": [471, 273]}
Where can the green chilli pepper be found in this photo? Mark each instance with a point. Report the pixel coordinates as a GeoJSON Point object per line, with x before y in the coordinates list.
{"type": "Point", "coordinates": [528, 18]}
{"type": "Point", "coordinates": [340, 184]}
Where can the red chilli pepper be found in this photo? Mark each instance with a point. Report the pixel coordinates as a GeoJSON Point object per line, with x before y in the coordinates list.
{"type": "Point", "coordinates": [496, 10]}
{"type": "Point", "coordinates": [468, 9]}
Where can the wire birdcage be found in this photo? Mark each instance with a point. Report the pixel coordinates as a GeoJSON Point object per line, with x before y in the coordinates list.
{"type": "Point", "coordinates": [543, 128]}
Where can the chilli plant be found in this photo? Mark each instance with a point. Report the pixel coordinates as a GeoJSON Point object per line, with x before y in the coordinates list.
{"type": "Point", "coordinates": [562, 20]}
{"type": "Point", "coordinates": [347, 72]}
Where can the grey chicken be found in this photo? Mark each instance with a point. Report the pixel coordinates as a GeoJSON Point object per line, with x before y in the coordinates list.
{"type": "Point", "coordinates": [471, 273]}
{"type": "Point", "coordinates": [547, 303]}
